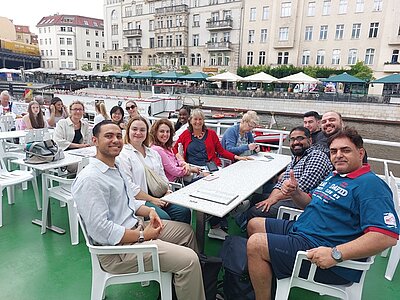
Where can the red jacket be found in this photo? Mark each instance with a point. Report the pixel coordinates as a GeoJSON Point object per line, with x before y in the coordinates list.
{"type": "Point", "coordinates": [213, 146]}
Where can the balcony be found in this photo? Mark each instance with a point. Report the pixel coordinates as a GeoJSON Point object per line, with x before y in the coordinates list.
{"type": "Point", "coordinates": [219, 46]}
{"type": "Point", "coordinates": [133, 50]}
{"type": "Point", "coordinates": [171, 10]}
{"type": "Point", "coordinates": [173, 49]}
{"type": "Point", "coordinates": [132, 32]}
{"type": "Point", "coordinates": [213, 25]}
{"type": "Point", "coordinates": [391, 67]}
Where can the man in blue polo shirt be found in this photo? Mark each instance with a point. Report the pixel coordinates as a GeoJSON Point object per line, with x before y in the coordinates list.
{"type": "Point", "coordinates": [350, 215]}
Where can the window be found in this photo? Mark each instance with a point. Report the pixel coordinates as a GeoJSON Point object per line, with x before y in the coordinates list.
{"type": "Point", "coordinates": [96, 33]}
{"type": "Point", "coordinates": [47, 52]}
{"type": "Point", "coordinates": [178, 40]}
{"type": "Point", "coordinates": [151, 43]}
{"type": "Point", "coordinates": [320, 57]}
{"type": "Point", "coordinates": [139, 9]}
{"type": "Point", "coordinates": [359, 6]}
{"type": "Point", "coordinates": [339, 31]}
{"type": "Point", "coordinates": [114, 15]}
{"type": "Point", "coordinates": [198, 59]}
{"type": "Point", "coordinates": [373, 30]}
{"type": "Point", "coordinates": [352, 57]}
{"type": "Point", "coordinates": [311, 9]}
{"type": "Point", "coordinates": [323, 33]}
{"type": "Point", "coordinates": [215, 16]}
{"type": "Point", "coordinates": [284, 33]}
{"type": "Point", "coordinates": [261, 58]}
{"type": "Point", "coordinates": [195, 40]}
{"type": "Point", "coordinates": [286, 9]}
{"type": "Point", "coordinates": [128, 11]}
{"type": "Point", "coordinates": [196, 3]}
{"type": "Point", "coordinates": [97, 55]}
{"type": "Point", "coordinates": [308, 33]}
{"type": "Point", "coordinates": [336, 57]}
{"type": "Point", "coordinates": [63, 64]}
{"type": "Point", "coordinates": [196, 20]}
{"type": "Point", "coordinates": [70, 65]}
{"type": "Point", "coordinates": [151, 25]}
{"type": "Point", "coordinates": [88, 43]}
{"type": "Point", "coordinates": [263, 36]}
{"type": "Point", "coordinates": [227, 36]}
{"type": "Point", "coordinates": [90, 65]}
{"type": "Point", "coordinates": [227, 15]}
{"type": "Point", "coordinates": [395, 57]}
{"type": "Point", "coordinates": [115, 45]}
{"type": "Point", "coordinates": [369, 56]}
{"type": "Point", "coordinates": [63, 29]}
{"type": "Point", "coordinates": [69, 52]}
{"type": "Point", "coordinates": [98, 66]}
{"type": "Point", "coordinates": [305, 58]}
{"type": "Point", "coordinates": [152, 7]}
{"type": "Point", "coordinates": [69, 29]}
{"type": "Point", "coordinates": [62, 41]}
{"type": "Point", "coordinates": [326, 8]}
{"type": "Point", "coordinates": [62, 52]}
{"type": "Point", "coordinates": [160, 41]}
{"type": "Point", "coordinates": [87, 32]}
{"type": "Point", "coordinates": [97, 44]}
{"type": "Point", "coordinates": [251, 36]}
{"type": "Point", "coordinates": [249, 58]}
{"type": "Point", "coordinates": [283, 58]}
{"type": "Point", "coordinates": [252, 14]}
{"type": "Point", "coordinates": [114, 29]}
{"type": "Point", "coordinates": [168, 40]}
{"type": "Point", "coordinates": [69, 41]}
{"type": "Point", "coordinates": [88, 54]}
{"type": "Point", "coordinates": [378, 4]}
{"type": "Point", "coordinates": [355, 31]}
{"type": "Point", "coordinates": [214, 37]}
{"type": "Point", "coordinates": [342, 6]}
{"type": "Point", "coordinates": [265, 12]}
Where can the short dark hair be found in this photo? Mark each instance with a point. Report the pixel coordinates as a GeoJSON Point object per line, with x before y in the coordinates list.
{"type": "Point", "coordinates": [350, 133]}
{"type": "Point", "coordinates": [97, 127]}
{"type": "Point", "coordinates": [312, 113]}
{"type": "Point", "coordinates": [301, 128]}
{"type": "Point", "coordinates": [187, 108]}
{"type": "Point", "coordinates": [116, 108]}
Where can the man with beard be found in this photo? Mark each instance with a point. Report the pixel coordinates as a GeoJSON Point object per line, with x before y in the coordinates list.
{"type": "Point", "coordinates": [310, 166]}
{"type": "Point", "coordinates": [331, 123]}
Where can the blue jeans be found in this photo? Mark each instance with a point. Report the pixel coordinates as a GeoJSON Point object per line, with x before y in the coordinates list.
{"type": "Point", "coordinates": [173, 212]}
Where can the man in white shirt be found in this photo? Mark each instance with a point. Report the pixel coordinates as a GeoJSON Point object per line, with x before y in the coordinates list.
{"type": "Point", "coordinates": [113, 220]}
{"type": "Point", "coordinates": [6, 106]}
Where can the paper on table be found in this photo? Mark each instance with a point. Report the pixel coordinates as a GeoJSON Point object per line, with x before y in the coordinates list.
{"type": "Point", "coordinates": [214, 196]}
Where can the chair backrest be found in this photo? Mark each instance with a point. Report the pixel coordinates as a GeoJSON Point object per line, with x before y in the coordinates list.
{"type": "Point", "coordinates": [395, 191]}
{"type": "Point", "coordinates": [7, 122]}
{"type": "Point", "coordinates": [2, 155]}
{"type": "Point", "coordinates": [35, 135]}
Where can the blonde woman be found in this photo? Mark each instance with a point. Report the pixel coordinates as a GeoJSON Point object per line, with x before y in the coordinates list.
{"type": "Point", "coordinates": [101, 112]}
{"type": "Point", "coordinates": [238, 139]}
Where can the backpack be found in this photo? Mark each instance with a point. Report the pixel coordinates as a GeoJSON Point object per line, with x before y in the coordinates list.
{"type": "Point", "coordinates": [237, 284]}
{"type": "Point", "coordinates": [210, 267]}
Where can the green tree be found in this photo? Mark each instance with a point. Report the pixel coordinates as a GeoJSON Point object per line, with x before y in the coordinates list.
{"type": "Point", "coordinates": [126, 67]}
{"type": "Point", "coordinates": [185, 70]}
{"type": "Point", "coordinates": [360, 70]}
{"type": "Point", "coordinates": [107, 68]}
{"type": "Point", "coordinates": [86, 67]}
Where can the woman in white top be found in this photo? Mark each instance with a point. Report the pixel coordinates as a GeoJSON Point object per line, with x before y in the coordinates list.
{"type": "Point", "coordinates": [135, 152]}
{"type": "Point", "coordinates": [73, 132]}
{"type": "Point", "coordinates": [34, 119]}
{"type": "Point", "coordinates": [101, 112]}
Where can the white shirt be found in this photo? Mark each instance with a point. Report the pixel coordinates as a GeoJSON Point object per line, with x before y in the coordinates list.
{"type": "Point", "coordinates": [64, 133]}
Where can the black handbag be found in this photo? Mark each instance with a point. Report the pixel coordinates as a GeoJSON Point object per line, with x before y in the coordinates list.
{"type": "Point", "coordinates": [42, 152]}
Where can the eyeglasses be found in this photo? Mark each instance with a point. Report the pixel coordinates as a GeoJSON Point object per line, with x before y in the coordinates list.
{"type": "Point", "coordinates": [77, 109]}
{"type": "Point", "coordinates": [297, 138]}
{"type": "Point", "coordinates": [130, 107]}
{"type": "Point", "coordinates": [252, 124]}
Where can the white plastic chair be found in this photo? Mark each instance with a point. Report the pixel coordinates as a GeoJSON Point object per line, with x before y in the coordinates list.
{"type": "Point", "coordinates": [352, 291]}
{"type": "Point", "coordinates": [59, 188]}
{"type": "Point", "coordinates": [101, 279]}
{"type": "Point", "coordinates": [395, 252]}
{"type": "Point", "coordinates": [8, 179]}
{"type": "Point", "coordinates": [6, 122]}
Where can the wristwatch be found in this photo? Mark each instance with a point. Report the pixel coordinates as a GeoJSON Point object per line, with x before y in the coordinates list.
{"type": "Point", "coordinates": [336, 255]}
{"type": "Point", "coordinates": [141, 236]}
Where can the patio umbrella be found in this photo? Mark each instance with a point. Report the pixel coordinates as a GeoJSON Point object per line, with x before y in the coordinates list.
{"type": "Point", "coordinates": [393, 78]}
{"type": "Point", "coordinates": [197, 76]}
{"type": "Point", "coordinates": [171, 75]}
{"type": "Point", "coordinates": [344, 78]}
{"type": "Point", "coordinates": [227, 76]}
{"type": "Point", "coordinates": [298, 78]}
{"type": "Point", "coordinates": [146, 75]}
{"type": "Point", "coordinates": [125, 74]}
{"type": "Point", "coordinates": [259, 77]}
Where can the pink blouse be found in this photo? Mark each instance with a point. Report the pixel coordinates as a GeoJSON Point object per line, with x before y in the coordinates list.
{"type": "Point", "coordinates": [173, 167]}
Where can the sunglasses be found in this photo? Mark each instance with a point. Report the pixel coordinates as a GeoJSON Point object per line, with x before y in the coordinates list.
{"type": "Point", "coordinates": [130, 107]}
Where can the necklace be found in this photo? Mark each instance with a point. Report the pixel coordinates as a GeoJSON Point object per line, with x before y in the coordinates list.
{"type": "Point", "coordinates": [199, 136]}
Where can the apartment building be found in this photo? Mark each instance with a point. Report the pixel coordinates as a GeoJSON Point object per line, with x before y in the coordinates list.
{"type": "Point", "coordinates": [71, 41]}
{"type": "Point", "coordinates": [215, 35]}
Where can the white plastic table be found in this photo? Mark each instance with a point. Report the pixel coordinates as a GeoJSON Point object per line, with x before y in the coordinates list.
{"type": "Point", "coordinates": [240, 179]}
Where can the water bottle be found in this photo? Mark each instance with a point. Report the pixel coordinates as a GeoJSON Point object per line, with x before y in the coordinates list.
{"type": "Point", "coordinates": [180, 149]}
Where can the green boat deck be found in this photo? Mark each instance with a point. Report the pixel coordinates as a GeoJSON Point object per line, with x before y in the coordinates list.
{"type": "Point", "coordinates": [41, 267]}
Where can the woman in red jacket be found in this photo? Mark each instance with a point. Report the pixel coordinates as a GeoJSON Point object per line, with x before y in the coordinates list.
{"type": "Point", "coordinates": [201, 146]}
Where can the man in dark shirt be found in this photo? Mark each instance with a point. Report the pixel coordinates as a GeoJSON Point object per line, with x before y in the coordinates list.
{"type": "Point", "coordinates": [312, 121]}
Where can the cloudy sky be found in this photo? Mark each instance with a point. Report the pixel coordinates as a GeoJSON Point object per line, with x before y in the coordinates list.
{"type": "Point", "coordinates": [29, 12]}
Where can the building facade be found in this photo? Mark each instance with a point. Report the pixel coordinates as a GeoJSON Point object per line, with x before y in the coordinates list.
{"type": "Point", "coordinates": [216, 35]}
{"type": "Point", "coordinates": [71, 42]}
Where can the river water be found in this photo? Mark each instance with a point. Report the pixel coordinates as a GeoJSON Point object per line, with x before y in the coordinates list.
{"type": "Point", "coordinates": [367, 130]}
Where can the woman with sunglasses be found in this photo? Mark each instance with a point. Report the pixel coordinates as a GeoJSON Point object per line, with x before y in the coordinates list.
{"type": "Point", "coordinates": [132, 109]}
{"type": "Point", "coordinates": [238, 139]}
{"type": "Point", "coordinates": [135, 153]}
{"type": "Point", "coordinates": [73, 132]}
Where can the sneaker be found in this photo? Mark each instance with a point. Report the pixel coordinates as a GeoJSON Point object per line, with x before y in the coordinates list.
{"type": "Point", "coordinates": [217, 233]}
{"type": "Point", "coordinates": [241, 208]}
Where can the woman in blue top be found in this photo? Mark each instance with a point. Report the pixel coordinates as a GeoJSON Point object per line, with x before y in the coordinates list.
{"type": "Point", "coordinates": [238, 139]}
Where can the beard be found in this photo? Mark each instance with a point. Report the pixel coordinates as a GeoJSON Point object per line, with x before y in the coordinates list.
{"type": "Point", "coordinates": [298, 152]}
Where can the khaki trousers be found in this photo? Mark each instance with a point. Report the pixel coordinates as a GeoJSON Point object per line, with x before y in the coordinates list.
{"type": "Point", "coordinates": [176, 248]}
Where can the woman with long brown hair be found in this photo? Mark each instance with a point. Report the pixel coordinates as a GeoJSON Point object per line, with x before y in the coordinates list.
{"type": "Point", "coordinates": [34, 119]}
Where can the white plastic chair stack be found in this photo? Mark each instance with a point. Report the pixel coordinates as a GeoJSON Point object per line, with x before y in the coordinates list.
{"type": "Point", "coordinates": [349, 292]}
{"type": "Point", "coordinates": [59, 188]}
{"type": "Point", "coordinates": [101, 279]}
{"type": "Point", "coordinates": [10, 179]}
{"type": "Point", "coordinates": [395, 252]}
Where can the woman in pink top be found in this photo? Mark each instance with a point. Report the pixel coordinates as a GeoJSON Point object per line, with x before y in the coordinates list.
{"type": "Point", "coordinates": [161, 133]}
{"type": "Point", "coordinates": [34, 119]}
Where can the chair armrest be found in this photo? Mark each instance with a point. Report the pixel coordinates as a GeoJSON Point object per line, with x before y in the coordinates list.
{"type": "Point", "coordinates": [51, 177]}
{"type": "Point", "coordinates": [123, 249]}
{"type": "Point", "coordinates": [293, 213]}
{"type": "Point", "coordinates": [174, 186]}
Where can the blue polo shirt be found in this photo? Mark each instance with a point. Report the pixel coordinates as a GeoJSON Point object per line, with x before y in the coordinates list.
{"type": "Point", "coordinates": [344, 207]}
